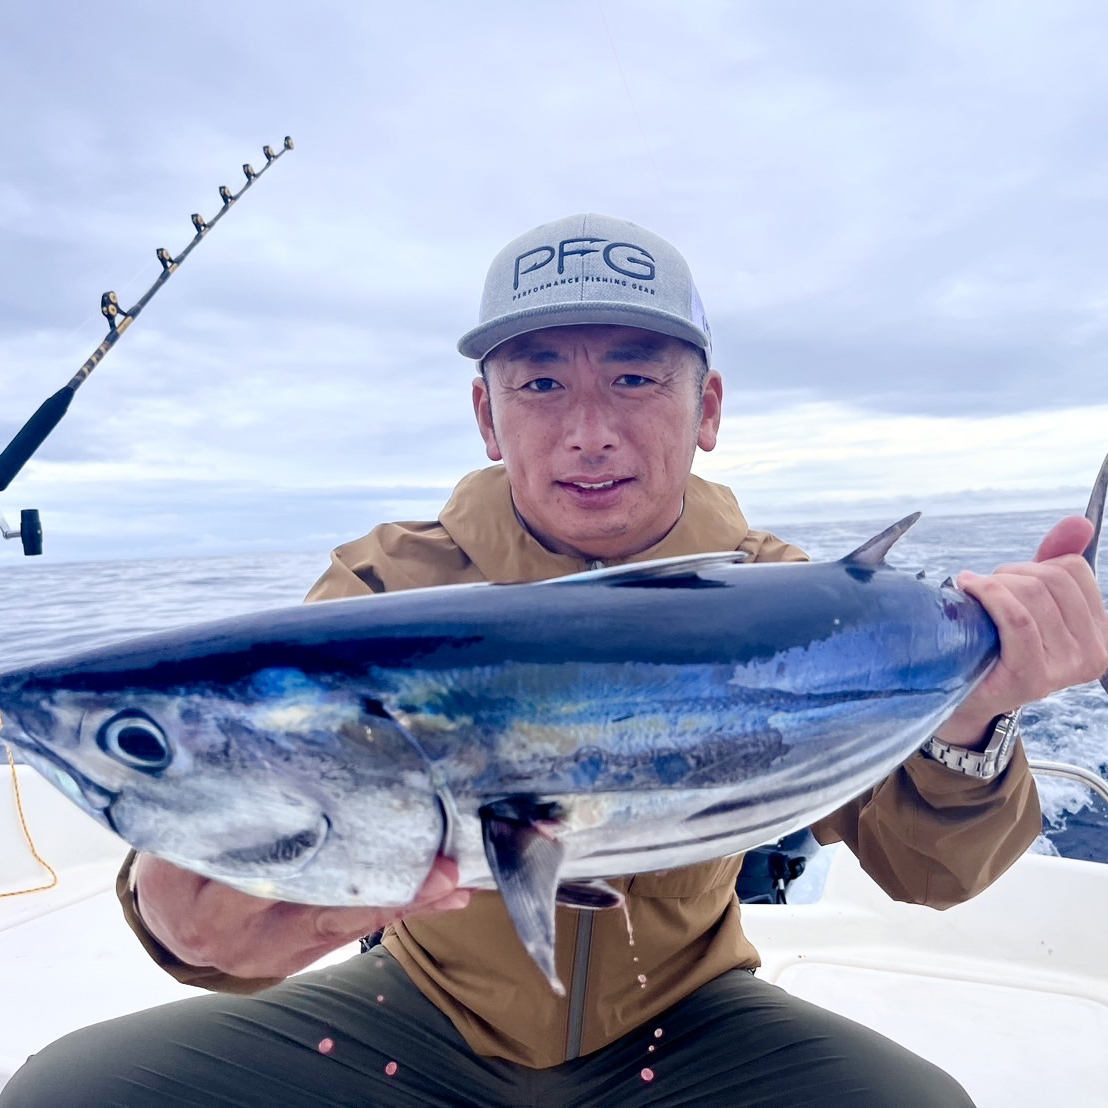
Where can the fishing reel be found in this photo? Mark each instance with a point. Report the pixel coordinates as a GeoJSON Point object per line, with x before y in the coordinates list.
{"type": "Point", "coordinates": [769, 870]}
{"type": "Point", "coordinates": [30, 530]}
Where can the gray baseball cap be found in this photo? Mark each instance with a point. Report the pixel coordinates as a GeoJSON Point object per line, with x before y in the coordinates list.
{"type": "Point", "coordinates": [588, 269]}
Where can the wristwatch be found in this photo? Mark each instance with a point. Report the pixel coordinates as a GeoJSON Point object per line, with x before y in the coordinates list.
{"type": "Point", "coordinates": [984, 764]}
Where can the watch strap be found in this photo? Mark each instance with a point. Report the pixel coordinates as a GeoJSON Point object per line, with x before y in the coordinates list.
{"type": "Point", "coordinates": [983, 764]}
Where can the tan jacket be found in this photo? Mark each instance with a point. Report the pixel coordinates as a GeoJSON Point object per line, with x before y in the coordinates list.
{"type": "Point", "coordinates": [925, 834]}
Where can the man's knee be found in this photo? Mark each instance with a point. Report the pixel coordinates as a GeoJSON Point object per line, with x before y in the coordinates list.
{"type": "Point", "coordinates": [65, 1072]}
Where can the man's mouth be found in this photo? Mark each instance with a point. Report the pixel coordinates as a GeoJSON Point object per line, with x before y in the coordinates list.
{"type": "Point", "coordinates": [596, 486]}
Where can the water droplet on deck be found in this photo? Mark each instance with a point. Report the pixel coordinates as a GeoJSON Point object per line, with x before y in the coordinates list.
{"type": "Point", "coordinates": [657, 1032]}
{"type": "Point", "coordinates": [650, 1049]}
{"type": "Point", "coordinates": [642, 980]}
{"type": "Point", "coordinates": [326, 1046]}
{"type": "Point", "coordinates": [380, 998]}
{"type": "Point", "coordinates": [647, 1074]}
{"type": "Point", "coordinates": [391, 1068]}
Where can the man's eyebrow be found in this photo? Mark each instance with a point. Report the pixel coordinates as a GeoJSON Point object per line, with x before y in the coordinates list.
{"type": "Point", "coordinates": [525, 348]}
{"type": "Point", "coordinates": [639, 350]}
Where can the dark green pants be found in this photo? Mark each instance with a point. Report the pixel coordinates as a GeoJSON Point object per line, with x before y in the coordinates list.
{"type": "Point", "coordinates": [361, 1034]}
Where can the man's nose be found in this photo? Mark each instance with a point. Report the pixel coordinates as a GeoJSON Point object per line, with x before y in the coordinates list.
{"type": "Point", "coordinates": [591, 426]}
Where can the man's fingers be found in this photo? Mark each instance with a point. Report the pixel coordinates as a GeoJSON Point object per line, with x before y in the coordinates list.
{"type": "Point", "coordinates": [441, 881]}
{"type": "Point", "coordinates": [1070, 536]}
{"type": "Point", "coordinates": [440, 892]}
{"type": "Point", "coordinates": [1071, 584]}
{"type": "Point", "coordinates": [1021, 638]}
{"type": "Point", "coordinates": [206, 923]}
{"type": "Point", "coordinates": [1052, 624]}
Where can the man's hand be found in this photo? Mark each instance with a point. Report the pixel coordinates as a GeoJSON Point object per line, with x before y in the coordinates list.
{"type": "Point", "coordinates": [1053, 630]}
{"type": "Point", "coordinates": [205, 923]}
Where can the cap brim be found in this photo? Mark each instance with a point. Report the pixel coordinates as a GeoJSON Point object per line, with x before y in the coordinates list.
{"type": "Point", "coordinates": [483, 339]}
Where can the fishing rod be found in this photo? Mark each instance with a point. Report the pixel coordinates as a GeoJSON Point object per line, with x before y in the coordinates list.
{"type": "Point", "coordinates": [35, 431]}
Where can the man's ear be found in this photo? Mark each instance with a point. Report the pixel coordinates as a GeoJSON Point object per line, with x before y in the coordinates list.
{"type": "Point", "coordinates": [711, 410]}
{"type": "Point", "coordinates": [482, 409]}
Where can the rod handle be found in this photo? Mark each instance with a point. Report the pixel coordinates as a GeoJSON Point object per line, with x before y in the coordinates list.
{"type": "Point", "coordinates": [32, 434]}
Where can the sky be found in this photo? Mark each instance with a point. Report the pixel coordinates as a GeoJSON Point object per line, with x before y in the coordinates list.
{"type": "Point", "coordinates": [894, 212]}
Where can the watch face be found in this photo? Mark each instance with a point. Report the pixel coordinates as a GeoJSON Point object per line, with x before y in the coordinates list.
{"type": "Point", "coordinates": [1004, 739]}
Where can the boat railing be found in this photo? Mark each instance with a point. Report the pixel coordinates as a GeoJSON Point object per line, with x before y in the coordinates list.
{"type": "Point", "coordinates": [1072, 773]}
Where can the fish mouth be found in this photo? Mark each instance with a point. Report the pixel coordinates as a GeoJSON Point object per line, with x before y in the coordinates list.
{"type": "Point", "coordinates": [283, 856]}
{"type": "Point", "coordinates": [82, 790]}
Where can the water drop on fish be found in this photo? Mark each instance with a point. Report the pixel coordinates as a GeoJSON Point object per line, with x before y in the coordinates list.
{"type": "Point", "coordinates": [647, 1074]}
{"type": "Point", "coordinates": [326, 1046]}
{"type": "Point", "coordinates": [642, 980]}
{"type": "Point", "coordinates": [391, 1068]}
{"type": "Point", "coordinates": [657, 1032]}
{"type": "Point", "coordinates": [630, 929]}
{"type": "Point", "coordinates": [380, 998]}
{"type": "Point", "coordinates": [650, 1049]}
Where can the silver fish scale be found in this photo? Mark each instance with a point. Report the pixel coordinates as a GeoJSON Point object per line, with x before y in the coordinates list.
{"type": "Point", "coordinates": [622, 722]}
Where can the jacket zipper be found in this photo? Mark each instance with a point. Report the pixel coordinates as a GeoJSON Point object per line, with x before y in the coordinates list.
{"type": "Point", "coordinates": [582, 946]}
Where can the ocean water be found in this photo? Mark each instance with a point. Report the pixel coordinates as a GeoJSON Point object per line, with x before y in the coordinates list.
{"type": "Point", "coordinates": [49, 609]}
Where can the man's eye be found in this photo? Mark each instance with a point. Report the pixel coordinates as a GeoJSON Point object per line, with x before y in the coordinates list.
{"type": "Point", "coordinates": [542, 384]}
{"type": "Point", "coordinates": [634, 380]}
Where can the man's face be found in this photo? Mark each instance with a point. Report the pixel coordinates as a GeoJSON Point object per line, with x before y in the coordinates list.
{"type": "Point", "coordinates": [596, 426]}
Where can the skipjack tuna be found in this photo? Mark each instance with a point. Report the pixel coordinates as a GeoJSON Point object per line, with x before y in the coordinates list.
{"type": "Point", "coordinates": [544, 735]}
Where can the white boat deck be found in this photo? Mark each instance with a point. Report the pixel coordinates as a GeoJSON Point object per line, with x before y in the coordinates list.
{"type": "Point", "coordinates": [1008, 992]}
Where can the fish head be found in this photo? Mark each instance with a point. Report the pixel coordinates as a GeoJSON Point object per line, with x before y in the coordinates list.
{"type": "Point", "coordinates": [270, 783]}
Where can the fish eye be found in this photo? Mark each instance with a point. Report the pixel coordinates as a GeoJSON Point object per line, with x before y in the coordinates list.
{"type": "Point", "coordinates": [135, 740]}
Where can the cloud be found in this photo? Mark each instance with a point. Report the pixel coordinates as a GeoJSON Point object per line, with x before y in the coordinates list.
{"type": "Point", "coordinates": [893, 212]}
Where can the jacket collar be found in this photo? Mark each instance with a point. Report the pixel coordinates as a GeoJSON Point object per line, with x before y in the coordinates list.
{"type": "Point", "coordinates": [481, 519]}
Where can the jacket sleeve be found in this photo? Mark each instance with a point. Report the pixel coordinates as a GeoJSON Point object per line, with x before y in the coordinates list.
{"type": "Point", "coordinates": [928, 835]}
{"type": "Point", "coordinates": [203, 977]}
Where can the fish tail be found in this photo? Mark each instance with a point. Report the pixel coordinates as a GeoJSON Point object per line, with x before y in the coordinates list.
{"type": "Point", "coordinates": [1095, 515]}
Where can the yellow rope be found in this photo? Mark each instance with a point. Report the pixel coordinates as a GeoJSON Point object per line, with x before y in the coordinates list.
{"type": "Point", "coordinates": [30, 842]}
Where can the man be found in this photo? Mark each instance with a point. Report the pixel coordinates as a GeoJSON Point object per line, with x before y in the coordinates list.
{"type": "Point", "coordinates": [596, 388]}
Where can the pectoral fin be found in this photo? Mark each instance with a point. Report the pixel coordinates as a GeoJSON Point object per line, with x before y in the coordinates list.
{"type": "Point", "coordinates": [525, 858]}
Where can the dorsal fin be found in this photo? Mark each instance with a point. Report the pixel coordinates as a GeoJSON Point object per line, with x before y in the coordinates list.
{"type": "Point", "coordinates": [872, 553]}
{"type": "Point", "coordinates": [657, 569]}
